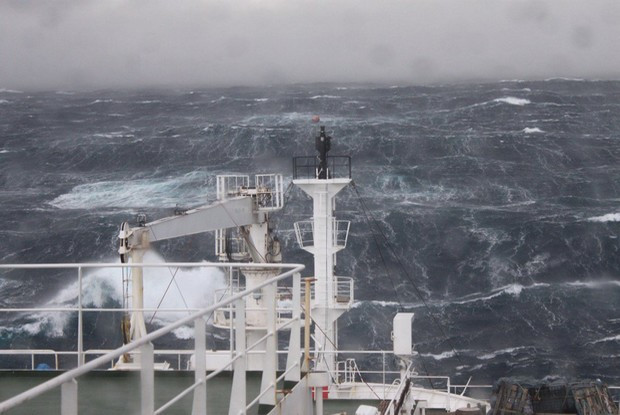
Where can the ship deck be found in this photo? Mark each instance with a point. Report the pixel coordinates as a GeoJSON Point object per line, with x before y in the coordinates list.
{"type": "Point", "coordinates": [114, 392]}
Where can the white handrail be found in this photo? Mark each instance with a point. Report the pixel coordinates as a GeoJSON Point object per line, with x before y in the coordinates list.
{"type": "Point", "coordinates": [93, 364]}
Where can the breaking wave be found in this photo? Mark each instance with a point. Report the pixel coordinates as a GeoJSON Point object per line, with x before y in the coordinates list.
{"type": "Point", "coordinates": [513, 101]}
{"type": "Point", "coordinates": [610, 217]}
{"type": "Point", "coordinates": [191, 289]}
{"type": "Point", "coordinates": [155, 193]}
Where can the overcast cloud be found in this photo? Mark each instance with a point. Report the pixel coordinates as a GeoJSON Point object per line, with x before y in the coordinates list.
{"type": "Point", "coordinates": [120, 43]}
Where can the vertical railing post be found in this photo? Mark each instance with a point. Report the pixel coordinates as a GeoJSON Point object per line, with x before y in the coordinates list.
{"type": "Point", "coordinates": [147, 379]}
{"type": "Point", "coordinates": [69, 398]}
{"type": "Point", "coordinates": [383, 370]}
{"type": "Point", "coordinates": [80, 339]}
{"type": "Point", "coordinates": [238, 397]}
{"type": "Point", "coordinates": [199, 406]}
{"type": "Point", "coordinates": [306, 364]}
{"type": "Point", "coordinates": [232, 292]}
{"type": "Point", "coordinates": [448, 396]}
{"type": "Point", "coordinates": [271, 358]}
{"type": "Point", "coordinates": [294, 345]}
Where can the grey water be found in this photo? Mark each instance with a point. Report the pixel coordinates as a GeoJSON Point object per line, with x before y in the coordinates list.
{"type": "Point", "coordinates": [491, 210]}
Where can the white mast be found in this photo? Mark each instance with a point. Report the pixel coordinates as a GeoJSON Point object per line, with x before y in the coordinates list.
{"type": "Point", "coordinates": [324, 177]}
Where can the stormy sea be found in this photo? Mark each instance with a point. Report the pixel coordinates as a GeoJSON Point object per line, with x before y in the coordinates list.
{"type": "Point", "coordinates": [491, 211]}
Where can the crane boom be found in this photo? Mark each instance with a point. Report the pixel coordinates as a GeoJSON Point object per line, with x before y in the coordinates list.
{"type": "Point", "coordinates": [228, 213]}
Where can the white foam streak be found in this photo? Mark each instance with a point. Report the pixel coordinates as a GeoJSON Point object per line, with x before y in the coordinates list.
{"type": "Point", "coordinates": [137, 193]}
{"type": "Point", "coordinates": [610, 217]}
{"type": "Point", "coordinates": [607, 339]}
{"type": "Point", "coordinates": [594, 284]}
{"type": "Point", "coordinates": [325, 97]}
{"type": "Point", "coordinates": [513, 101]}
{"type": "Point", "coordinates": [441, 356]}
{"type": "Point", "coordinates": [532, 130]}
{"type": "Point", "coordinates": [492, 355]}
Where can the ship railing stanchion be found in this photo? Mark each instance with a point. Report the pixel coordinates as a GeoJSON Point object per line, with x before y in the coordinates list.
{"type": "Point", "coordinates": [80, 339]}
{"type": "Point", "coordinates": [69, 398]}
{"type": "Point", "coordinates": [306, 365]}
{"type": "Point", "coordinates": [199, 406]}
{"type": "Point", "coordinates": [268, 382]}
{"type": "Point", "coordinates": [147, 379]}
{"type": "Point", "coordinates": [294, 350]}
{"type": "Point", "coordinates": [238, 398]}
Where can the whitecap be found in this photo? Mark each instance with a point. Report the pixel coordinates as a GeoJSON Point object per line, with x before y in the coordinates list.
{"type": "Point", "coordinates": [496, 353]}
{"type": "Point", "coordinates": [532, 130]}
{"type": "Point", "coordinates": [325, 97]}
{"type": "Point", "coordinates": [511, 289]}
{"type": "Point", "coordinates": [261, 99]}
{"type": "Point", "coordinates": [610, 217]}
{"type": "Point", "coordinates": [10, 91]}
{"type": "Point", "coordinates": [4, 101]}
{"type": "Point", "coordinates": [607, 339]}
{"type": "Point", "coordinates": [513, 101]}
{"type": "Point", "coordinates": [167, 192]}
{"type": "Point", "coordinates": [441, 356]}
{"type": "Point", "coordinates": [594, 285]}
{"type": "Point", "coordinates": [101, 101]}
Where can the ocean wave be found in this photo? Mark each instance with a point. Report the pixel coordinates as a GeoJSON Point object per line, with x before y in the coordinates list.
{"type": "Point", "coordinates": [610, 217]}
{"type": "Point", "coordinates": [607, 339]}
{"type": "Point", "coordinates": [102, 101]}
{"type": "Point", "coordinates": [4, 101]}
{"type": "Point", "coordinates": [511, 289]}
{"type": "Point", "coordinates": [326, 97]}
{"type": "Point", "coordinates": [441, 356]}
{"type": "Point", "coordinates": [594, 285]}
{"type": "Point", "coordinates": [10, 91]}
{"type": "Point", "coordinates": [114, 134]}
{"type": "Point", "coordinates": [193, 289]}
{"type": "Point", "coordinates": [494, 354]}
{"type": "Point", "coordinates": [357, 304]}
{"type": "Point", "coordinates": [513, 101]}
{"type": "Point", "coordinates": [185, 189]}
{"type": "Point", "coordinates": [532, 130]}
{"type": "Point", "coordinates": [565, 79]}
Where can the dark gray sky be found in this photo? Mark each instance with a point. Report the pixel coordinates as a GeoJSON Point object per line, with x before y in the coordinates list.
{"type": "Point", "coordinates": [119, 43]}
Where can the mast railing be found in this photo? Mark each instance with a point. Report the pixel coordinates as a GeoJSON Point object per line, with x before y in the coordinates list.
{"type": "Point", "coordinates": [143, 347]}
{"type": "Point", "coordinates": [307, 167]}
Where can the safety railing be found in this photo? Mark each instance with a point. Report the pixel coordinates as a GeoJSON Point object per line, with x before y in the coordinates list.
{"type": "Point", "coordinates": [342, 291]}
{"type": "Point", "coordinates": [143, 348]}
{"type": "Point", "coordinates": [304, 233]}
{"type": "Point", "coordinates": [306, 167]}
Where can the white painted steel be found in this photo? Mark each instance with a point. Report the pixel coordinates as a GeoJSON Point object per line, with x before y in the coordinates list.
{"type": "Point", "coordinates": [69, 398]}
{"type": "Point", "coordinates": [199, 404]}
{"type": "Point", "coordinates": [147, 379]}
{"type": "Point", "coordinates": [80, 333]}
{"type": "Point", "coordinates": [293, 357]}
{"type": "Point", "coordinates": [238, 399]}
{"type": "Point", "coordinates": [268, 381]}
{"type": "Point", "coordinates": [401, 333]}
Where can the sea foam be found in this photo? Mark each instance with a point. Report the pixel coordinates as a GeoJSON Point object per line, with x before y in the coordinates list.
{"type": "Point", "coordinates": [513, 101]}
